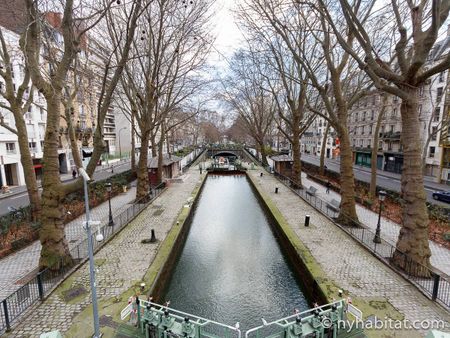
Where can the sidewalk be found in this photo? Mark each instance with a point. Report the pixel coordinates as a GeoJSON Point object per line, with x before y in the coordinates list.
{"type": "Point", "coordinates": [349, 266]}
{"type": "Point", "coordinates": [120, 264]}
{"type": "Point", "coordinates": [16, 266]}
{"type": "Point", "coordinates": [440, 257]}
{"type": "Point", "coordinates": [16, 190]}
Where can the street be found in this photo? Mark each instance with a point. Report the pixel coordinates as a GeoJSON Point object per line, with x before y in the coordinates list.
{"type": "Point", "coordinates": [21, 199]}
{"type": "Point", "coordinates": [386, 180]}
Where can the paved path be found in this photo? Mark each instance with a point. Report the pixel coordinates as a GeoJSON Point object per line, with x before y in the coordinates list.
{"type": "Point", "coordinates": [440, 258]}
{"type": "Point", "coordinates": [349, 265]}
{"type": "Point", "coordinates": [15, 266]}
{"type": "Point", "coordinates": [126, 260]}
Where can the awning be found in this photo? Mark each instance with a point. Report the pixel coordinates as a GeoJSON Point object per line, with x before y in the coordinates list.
{"type": "Point", "coordinates": [36, 166]}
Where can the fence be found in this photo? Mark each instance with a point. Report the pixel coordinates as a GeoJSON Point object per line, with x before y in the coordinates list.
{"type": "Point", "coordinates": [433, 283]}
{"type": "Point", "coordinates": [42, 284]}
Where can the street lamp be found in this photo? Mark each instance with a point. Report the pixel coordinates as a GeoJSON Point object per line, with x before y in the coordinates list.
{"type": "Point", "coordinates": [99, 238]}
{"type": "Point", "coordinates": [109, 188]}
{"type": "Point", "coordinates": [120, 146]}
{"type": "Point", "coordinates": [381, 197]}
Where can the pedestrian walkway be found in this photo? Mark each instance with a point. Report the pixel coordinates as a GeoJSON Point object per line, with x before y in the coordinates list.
{"type": "Point", "coordinates": [19, 264]}
{"type": "Point", "coordinates": [440, 255]}
{"type": "Point", "coordinates": [347, 264]}
{"type": "Point", "coordinates": [121, 262]}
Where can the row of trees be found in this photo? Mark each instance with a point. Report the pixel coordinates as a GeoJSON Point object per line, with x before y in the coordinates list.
{"type": "Point", "coordinates": [319, 58]}
{"type": "Point", "coordinates": [145, 56]}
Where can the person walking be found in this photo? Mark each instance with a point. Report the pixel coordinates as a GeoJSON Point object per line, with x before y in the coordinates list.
{"type": "Point", "coordinates": [328, 187]}
{"type": "Point", "coordinates": [74, 173]}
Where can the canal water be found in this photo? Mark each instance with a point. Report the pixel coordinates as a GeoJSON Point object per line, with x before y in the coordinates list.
{"type": "Point", "coordinates": [232, 268]}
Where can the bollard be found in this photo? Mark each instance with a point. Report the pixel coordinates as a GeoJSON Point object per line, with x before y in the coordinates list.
{"type": "Point", "coordinates": [153, 238]}
{"type": "Point", "coordinates": [261, 175]}
{"type": "Point", "coordinates": [276, 190]}
{"type": "Point", "coordinates": [306, 220]}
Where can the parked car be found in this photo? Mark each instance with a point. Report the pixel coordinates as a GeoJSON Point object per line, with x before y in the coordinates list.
{"type": "Point", "coordinates": [442, 196]}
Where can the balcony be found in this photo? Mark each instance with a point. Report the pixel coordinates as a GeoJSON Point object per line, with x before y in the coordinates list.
{"type": "Point", "coordinates": [391, 135]}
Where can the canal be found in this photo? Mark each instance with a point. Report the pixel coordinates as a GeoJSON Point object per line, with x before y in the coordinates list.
{"type": "Point", "coordinates": [231, 267]}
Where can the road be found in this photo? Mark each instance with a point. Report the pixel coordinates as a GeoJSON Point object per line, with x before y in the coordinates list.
{"type": "Point", "coordinates": [21, 199]}
{"type": "Point", "coordinates": [385, 179]}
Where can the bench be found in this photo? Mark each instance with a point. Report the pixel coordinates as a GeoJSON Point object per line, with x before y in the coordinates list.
{"type": "Point", "coordinates": [311, 191]}
{"type": "Point", "coordinates": [334, 205]}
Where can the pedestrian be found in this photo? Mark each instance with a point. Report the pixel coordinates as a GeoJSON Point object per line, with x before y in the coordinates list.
{"type": "Point", "coordinates": [328, 187]}
{"type": "Point", "coordinates": [74, 173]}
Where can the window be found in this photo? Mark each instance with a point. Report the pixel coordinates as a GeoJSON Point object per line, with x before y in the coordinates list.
{"type": "Point", "coordinates": [439, 94]}
{"type": "Point", "coordinates": [391, 128]}
{"type": "Point", "coordinates": [30, 108]}
{"type": "Point", "coordinates": [361, 143]}
{"type": "Point", "coordinates": [369, 143]}
{"type": "Point", "coordinates": [372, 115]}
{"type": "Point", "coordinates": [420, 91]}
{"type": "Point", "coordinates": [364, 116]}
{"type": "Point", "coordinates": [10, 148]}
{"type": "Point", "coordinates": [356, 117]}
{"type": "Point", "coordinates": [433, 133]}
{"type": "Point", "coordinates": [437, 113]}
{"type": "Point", "coordinates": [432, 152]}
{"type": "Point", "coordinates": [395, 98]}
{"type": "Point", "coordinates": [394, 113]}
{"type": "Point", "coordinates": [32, 145]}
{"type": "Point", "coordinates": [389, 145]}
{"type": "Point", "coordinates": [382, 128]}
{"type": "Point", "coordinates": [374, 99]}
{"type": "Point", "coordinates": [441, 76]}
{"type": "Point", "coordinates": [362, 130]}
{"type": "Point", "coordinates": [370, 129]}
{"type": "Point", "coordinates": [420, 109]}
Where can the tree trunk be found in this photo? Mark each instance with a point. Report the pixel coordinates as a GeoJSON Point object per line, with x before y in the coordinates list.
{"type": "Point", "coordinates": [322, 150]}
{"type": "Point", "coordinates": [374, 155]}
{"type": "Point", "coordinates": [142, 172]}
{"type": "Point", "coordinates": [133, 144]}
{"type": "Point", "coordinates": [28, 169]}
{"type": "Point", "coordinates": [263, 154]}
{"type": "Point", "coordinates": [413, 237]}
{"type": "Point", "coordinates": [297, 166]}
{"type": "Point", "coordinates": [347, 214]}
{"type": "Point", "coordinates": [55, 252]}
{"type": "Point", "coordinates": [160, 160]}
{"type": "Point", "coordinates": [153, 144]}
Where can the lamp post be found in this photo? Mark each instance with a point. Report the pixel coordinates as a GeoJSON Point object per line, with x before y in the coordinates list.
{"type": "Point", "coordinates": [99, 238]}
{"type": "Point", "coordinates": [381, 197]}
{"type": "Point", "coordinates": [109, 188]}
{"type": "Point", "coordinates": [120, 146]}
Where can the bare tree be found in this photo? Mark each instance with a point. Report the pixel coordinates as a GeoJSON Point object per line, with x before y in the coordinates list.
{"type": "Point", "coordinates": [163, 73]}
{"type": "Point", "coordinates": [17, 103]}
{"type": "Point", "coordinates": [330, 71]}
{"type": "Point", "coordinates": [414, 33]}
{"type": "Point", "coordinates": [246, 94]}
{"type": "Point", "coordinates": [59, 41]}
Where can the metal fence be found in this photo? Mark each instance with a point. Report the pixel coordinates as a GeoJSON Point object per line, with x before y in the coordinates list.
{"type": "Point", "coordinates": [432, 282]}
{"type": "Point", "coordinates": [40, 286]}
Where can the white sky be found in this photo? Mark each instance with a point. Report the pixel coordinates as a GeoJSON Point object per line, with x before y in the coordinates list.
{"type": "Point", "coordinates": [228, 39]}
{"type": "Point", "coordinates": [228, 36]}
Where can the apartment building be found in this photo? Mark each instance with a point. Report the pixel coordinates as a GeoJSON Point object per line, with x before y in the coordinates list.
{"type": "Point", "coordinates": [82, 110]}
{"type": "Point", "coordinates": [311, 140]}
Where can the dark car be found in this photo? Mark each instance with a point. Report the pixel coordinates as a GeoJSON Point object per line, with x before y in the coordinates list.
{"type": "Point", "coordinates": [442, 196]}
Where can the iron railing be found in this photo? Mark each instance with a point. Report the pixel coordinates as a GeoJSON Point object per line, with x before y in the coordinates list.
{"type": "Point", "coordinates": [432, 282]}
{"type": "Point", "coordinates": [42, 284]}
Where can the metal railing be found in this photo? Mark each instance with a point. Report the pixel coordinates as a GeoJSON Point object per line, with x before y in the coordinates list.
{"type": "Point", "coordinates": [169, 322]}
{"type": "Point", "coordinates": [41, 285]}
{"type": "Point", "coordinates": [432, 282]}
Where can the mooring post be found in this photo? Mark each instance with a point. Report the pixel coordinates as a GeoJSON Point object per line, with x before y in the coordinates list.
{"type": "Point", "coordinates": [307, 220]}
{"type": "Point", "coordinates": [153, 238]}
{"type": "Point", "coordinates": [276, 190]}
